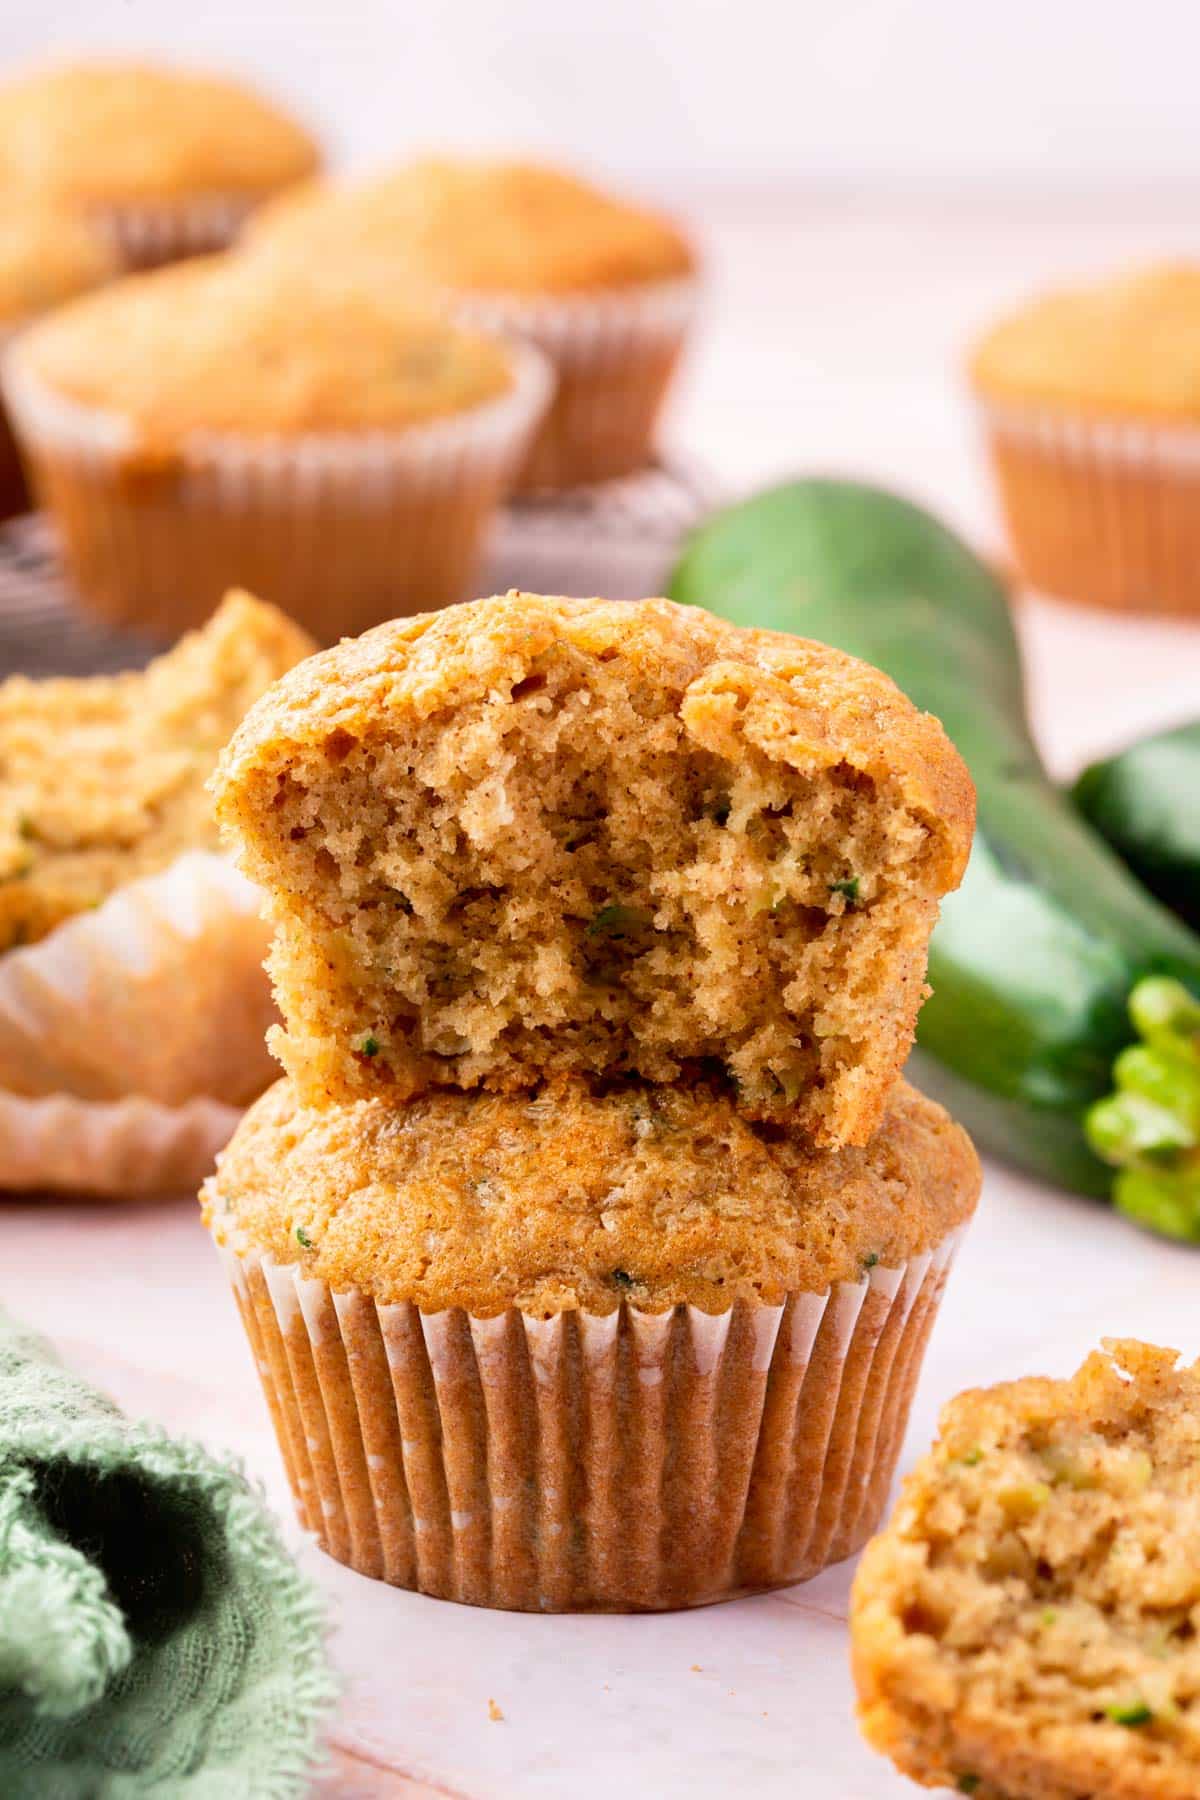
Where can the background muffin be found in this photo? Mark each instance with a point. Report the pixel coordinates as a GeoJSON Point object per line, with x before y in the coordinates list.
{"type": "Point", "coordinates": [321, 439]}
{"type": "Point", "coordinates": [1091, 403]}
{"type": "Point", "coordinates": [48, 254]}
{"type": "Point", "coordinates": [693, 1343]}
{"type": "Point", "coordinates": [132, 999]}
{"type": "Point", "coordinates": [533, 835]}
{"type": "Point", "coordinates": [1027, 1622]}
{"type": "Point", "coordinates": [167, 162]}
{"type": "Point", "coordinates": [605, 289]}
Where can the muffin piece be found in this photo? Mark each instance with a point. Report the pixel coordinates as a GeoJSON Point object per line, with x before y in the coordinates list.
{"type": "Point", "coordinates": [133, 1003]}
{"type": "Point", "coordinates": [605, 289]}
{"type": "Point", "coordinates": [1027, 1623]}
{"type": "Point", "coordinates": [693, 1342]}
{"type": "Point", "coordinates": [166, 162]}
{"type": "Point", "coordinates": [319, 438]}
{"type": "Point", "coordinates": [102, 780]}
{"type": "Point", "coordinates": [1091, 402]}
{"type": "Point", "coordinates": [47, 255]}
{"type": "Point", "coordinates": [532, 835]}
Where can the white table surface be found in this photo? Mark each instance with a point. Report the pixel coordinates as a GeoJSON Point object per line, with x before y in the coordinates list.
{"type": "Point", "coordinates": [834, 326]}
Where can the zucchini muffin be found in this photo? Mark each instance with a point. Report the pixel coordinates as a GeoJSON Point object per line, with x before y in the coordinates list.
{"type": "Point", "coordinates": [605, 289]}
{"type": "Point", "coordinates": [166, 162]}
{"type": "Point", "coordinates": [1027, 1624]}
{"type": "Point", "coordinates": [586, 1348]}
{"type": "Point", "coordinates": [47, 255]}
{"type": "Point", "coordinates": [1091, 403]}
{"type": "Point", "coordinates": [130, 952]}
{"type": "Point", "coordinates": [534, 835]}
{"type": "Point", "coordinates": [320, 439]}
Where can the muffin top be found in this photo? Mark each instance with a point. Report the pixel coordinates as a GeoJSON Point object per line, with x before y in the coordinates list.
{"type": "Point", "coordinates": [102, 779]}
{"type": "Point", "coordinates": [1127, 348]}
{"type": "Point", "coordinates": [485, 227]}
{"type": "Point", "coordinates": [96, 132]}
{"type": "Point", "coordinates": [1027, 1623]}
{"type": "Point", "coordinates": [532, 834]}
{"type": "Point", "coordinates": [225, 345]}
{"type": "Point", "coordinates": [47, 254]}
{"type": "Point", "coordinates": [568, 1197]}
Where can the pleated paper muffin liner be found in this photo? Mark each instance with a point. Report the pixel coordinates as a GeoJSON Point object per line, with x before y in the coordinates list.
{"type": "Point", "coordinates": [343, 529]}
{"type": "Point", "coordinates": [148, 233]}
{"type": "Point", "coordinates": [614, 353]}
{"type": "Point", "coordinates": [159, 992]}
{"type": "Point", "coordinates": [1101, 511]}
{"type": "Point", "coordinates": [112, 1150]}
{"type": "Point", "coordinates": [590, 1462]}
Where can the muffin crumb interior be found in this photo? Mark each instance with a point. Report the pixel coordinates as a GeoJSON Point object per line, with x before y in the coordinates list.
{"type": "Point", "coordinates": [617, 839]}
{"type": "Point", "coordinates": [1028, 1623]}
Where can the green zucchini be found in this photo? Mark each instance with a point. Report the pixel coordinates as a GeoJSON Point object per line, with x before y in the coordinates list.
{"type": "Point", "coordinates": [1035, 957]}
{"type": "Point", "coordinates": [1146, 802]}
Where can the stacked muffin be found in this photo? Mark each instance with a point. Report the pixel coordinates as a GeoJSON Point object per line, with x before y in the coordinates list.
{"type": "Point", "coordinates": [589, 1249]}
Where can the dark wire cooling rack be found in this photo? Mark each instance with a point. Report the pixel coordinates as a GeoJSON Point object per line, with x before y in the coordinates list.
{"type": "Point", "coordinates": [618, 540]}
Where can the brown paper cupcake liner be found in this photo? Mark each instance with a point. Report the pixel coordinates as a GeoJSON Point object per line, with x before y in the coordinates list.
{"type": "Point", "coordinates": [590, 1462]}
{"type": "Point", "coordinates": [1103, 512]}
{"type": "Point", "coordinates": [159, 992]}
{"type": "Point", "coordinates": [109, 1150]}
{"type": "Point", "coordinates": [614, 354]}
{"type": "Point", "coordinates": [342, 530]}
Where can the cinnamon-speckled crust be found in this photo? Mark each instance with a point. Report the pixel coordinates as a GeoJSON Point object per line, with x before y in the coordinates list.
{"type": "Point", "coordinates": [481, 227]}
{"type": "Point", "coordinates": [534, 834]}
{"type": "Point", "coordinates": [570, 1198]}
{"type": "Point", "coordinates": [799, 700]}
{"type": "Point", "coordinates": [115, 131]}
{"type": "Point", "coordinates": [1027, 1626]}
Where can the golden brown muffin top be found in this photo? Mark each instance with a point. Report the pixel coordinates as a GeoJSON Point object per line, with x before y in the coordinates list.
{"type": "Point", "coordinates": [127, 131]}
{"type": "Point", "coordinates": [567, 1198]}
{"type": "Point", "coordinates": [1124, 348]}
{"type": "Point", "coordinates": [222, 344]}
{"type": "Point", "coordinates": [1028, 1621]}
{"type": "Point", "coordinates": [103, 779]}
{"type": "Point", "coordinates": [486, 227]}
{"type": "Point", "coordinates": [47, 254]}
{"type": "Point", "coordinates": [801, 702]}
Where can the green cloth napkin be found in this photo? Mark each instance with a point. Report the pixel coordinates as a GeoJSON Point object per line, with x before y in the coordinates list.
{"type": "Point", "coordinates": [155, 1636]}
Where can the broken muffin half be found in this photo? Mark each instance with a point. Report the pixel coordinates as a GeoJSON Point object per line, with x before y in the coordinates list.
{"type": "Point", "coordinates": [531, 835]}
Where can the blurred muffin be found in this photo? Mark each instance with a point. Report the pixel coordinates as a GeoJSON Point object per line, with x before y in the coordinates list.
{"type": "Point", "coordinates": [536, 835]}
{"type": "Point", "coordinates": [1091, 403]}
{"type": "Point", "coordinates": [132, 998]}
{"type": "Point", "coordinates": [606, 290]}
{"type": "Point", "coordinates": [47, 255]}
{"type": "Point", "coordinates": [166, 162]}
{"type": "Point", "coordinates": [228, 421]}
{"type": "Point", "coordinates": [577, 1350]}
{"type": "Point", "coordinates": [1027, 1622]}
